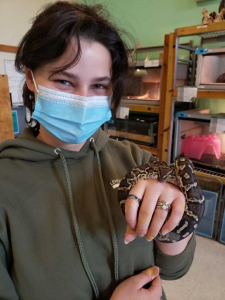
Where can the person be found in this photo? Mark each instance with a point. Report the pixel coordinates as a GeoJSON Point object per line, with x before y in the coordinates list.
{"type": "Point", "coordinates": [61, 228]}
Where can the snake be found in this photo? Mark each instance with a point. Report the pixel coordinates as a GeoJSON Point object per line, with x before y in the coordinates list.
{"type": "Point", "coordinates": [181, 174]}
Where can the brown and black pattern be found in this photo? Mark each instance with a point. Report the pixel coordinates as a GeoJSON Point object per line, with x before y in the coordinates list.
{"type": "Point", "coordinates": [181, 174]}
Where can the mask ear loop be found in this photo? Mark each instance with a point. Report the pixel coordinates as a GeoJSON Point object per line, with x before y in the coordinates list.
{"type": "Point", "coordinates": [32, 74]}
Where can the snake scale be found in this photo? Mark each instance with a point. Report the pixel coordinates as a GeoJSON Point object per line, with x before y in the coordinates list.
{"type": "Point", "coordinates": [181, 174]}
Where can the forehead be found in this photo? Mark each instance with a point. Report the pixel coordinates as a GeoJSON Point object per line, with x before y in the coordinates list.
{"type": "Point", "coordinates": [94, 57]}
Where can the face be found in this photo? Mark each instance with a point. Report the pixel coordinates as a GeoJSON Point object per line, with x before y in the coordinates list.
{"type": "Point", "coordinates": [91, 76]}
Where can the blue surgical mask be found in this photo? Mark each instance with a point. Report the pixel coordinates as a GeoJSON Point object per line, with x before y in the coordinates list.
{"type": "Point", "coordinates": [71, 118]}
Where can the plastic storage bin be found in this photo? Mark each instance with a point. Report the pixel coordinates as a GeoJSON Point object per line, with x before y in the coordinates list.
{"type": "Point", "coordinates": [209, 224]}
{"type": "Point", "coordinates": [196, 145]}
{"type": "Point", "coordinates": [206, 225]}
{"type": "Point", "coordinates": [222, 231]}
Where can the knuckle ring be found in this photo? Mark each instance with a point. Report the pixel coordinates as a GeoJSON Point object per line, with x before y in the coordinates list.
{"type": "Point", "coordinates": [163, 205]}
{"type": "Point", "coordinates": [138, 200]}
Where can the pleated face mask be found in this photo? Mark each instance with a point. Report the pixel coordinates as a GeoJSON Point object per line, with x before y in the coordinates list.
{"type": "Point", "coordinates": [71, 118]}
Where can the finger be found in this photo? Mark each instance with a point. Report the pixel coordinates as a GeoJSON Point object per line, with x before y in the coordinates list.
{"type": "Point", "coordinates": [177, 212]}
{"type": "Point", "coordinates": [144, 277]}
{"type": "Point", "coordinates": [156, 288]}
{"type": "Point", "coordinates": [157, 222]}
{"type": "Point", "coordinates": [131, 211]}
{"type": "Point", "coordinates": [131, 205]}
{"type": "Point", "coordinates": [130, 235]}
{"type": "Point", "coordinates": [147, 209]}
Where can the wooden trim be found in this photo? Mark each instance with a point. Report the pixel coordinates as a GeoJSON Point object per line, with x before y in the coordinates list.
{"type": "Point", "coordinates": [168, 100]}
{"type": "Point", "coordinates": [163, 95]}
{"type": "Point", "coordinates": [142, 108]}
{"type": "Point", "coordinates": [7, 48]}
{"type": "Point", "coordinates": [154, 151]}
{"type": "Point", "coordinates": [207, 94]}
{"type": "Point", "coordinates": [200, 29]}
{"type": "Point", "coordinates": [6, 124]}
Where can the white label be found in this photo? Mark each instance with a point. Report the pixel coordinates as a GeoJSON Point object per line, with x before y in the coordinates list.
{"type": "Point", "coordinates": [217, 125]}
{"type": "Point", "coordinates": [185, 93]}
{"type": "Point", "coordinates": [151, 63]}
{"type": "Point", "coordinates": [202, 26]}
{"type": "Point", "coordinates": [122, 112]}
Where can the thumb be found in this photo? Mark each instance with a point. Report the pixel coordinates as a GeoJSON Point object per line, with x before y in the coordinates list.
{"type": "Point", "coordinates": [146, 276]}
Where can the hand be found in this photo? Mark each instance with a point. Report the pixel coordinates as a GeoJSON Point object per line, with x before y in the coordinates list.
{"type": "Point", "coordinates": [132, 288]}
{"type": "Point", "coordinates": [149, 221]}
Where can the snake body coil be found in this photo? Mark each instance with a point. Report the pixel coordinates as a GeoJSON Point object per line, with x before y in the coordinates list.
{"type": "Point", "coordinates": [181, 174]}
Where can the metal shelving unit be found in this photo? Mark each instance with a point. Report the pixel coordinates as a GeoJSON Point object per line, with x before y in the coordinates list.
{"type": "Point", "coordinates": [208, 34]}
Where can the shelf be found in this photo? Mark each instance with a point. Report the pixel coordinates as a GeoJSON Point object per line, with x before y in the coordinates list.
{"type": "Point", "coordinates": [203, 174]}
{"type": "Point", "coordinates": [141, 67]}
{"type": "Point", "coordinates": [7, 48]}
{"type": "Point", "coordinates": [214, 30]}
{"type": "Point", "coordinates": [6, 131]}
{"type": "Point", "coordinates": [208, 33]}
{"type": "Point", "coordinates": [130, 136]}
{"type": "Point", "coordinates": [143, 108]}
{"type": "Point", "coordinates": [154, 151]}
{"type": "Point", "coordinates": [207, 94]}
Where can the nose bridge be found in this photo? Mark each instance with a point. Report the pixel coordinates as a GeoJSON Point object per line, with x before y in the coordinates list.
{"type": "Point", "coordinates": [82, 90]}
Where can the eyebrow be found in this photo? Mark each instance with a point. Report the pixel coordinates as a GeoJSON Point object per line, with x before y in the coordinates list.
{"type": "Point", "coordinates": [73, 76]}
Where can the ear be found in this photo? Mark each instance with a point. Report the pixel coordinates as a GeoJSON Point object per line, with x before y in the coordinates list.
{"type": "Point", "coordinates": [29, 80]}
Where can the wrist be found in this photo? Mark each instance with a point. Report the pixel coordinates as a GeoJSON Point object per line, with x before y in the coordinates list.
{"type": "Point", "coordinates": [173, 248]}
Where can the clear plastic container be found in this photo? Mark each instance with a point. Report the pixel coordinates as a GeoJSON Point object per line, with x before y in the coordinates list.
{"type": "Point", "coordinates": [206, 225]}
{"type": "Point", "coordinates": [222, 231]}
{"type": "Point", "coordinates": [196, 145]}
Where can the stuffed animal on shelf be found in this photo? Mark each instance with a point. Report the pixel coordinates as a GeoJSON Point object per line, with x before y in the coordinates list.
{"type": "Point", "coordinates": [206, 17]}
{"type": "Point", "coordinates": [213, 16]}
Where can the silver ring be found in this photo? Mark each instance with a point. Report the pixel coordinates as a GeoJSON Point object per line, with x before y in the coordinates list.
{"type": "Point", "coordinates": [134, 197]}
{"type": "Point", "coordinates": [163, 205]}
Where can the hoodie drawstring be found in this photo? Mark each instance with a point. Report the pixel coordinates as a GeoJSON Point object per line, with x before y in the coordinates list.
{"type": "Point", "coordinates": [112, 227]}
{"type": "Point", "coordinates": [76, 226]}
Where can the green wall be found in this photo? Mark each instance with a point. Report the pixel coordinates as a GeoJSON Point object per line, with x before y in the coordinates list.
{"type": "Point", "coordinates": [149, 20]}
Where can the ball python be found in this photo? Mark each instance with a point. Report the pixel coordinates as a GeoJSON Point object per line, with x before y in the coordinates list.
{"type": "Point", "coordinates": [182, 175]}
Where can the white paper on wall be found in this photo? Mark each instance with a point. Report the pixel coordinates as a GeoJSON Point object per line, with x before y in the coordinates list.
{"type": "Point", "coordinates": [16, 81]}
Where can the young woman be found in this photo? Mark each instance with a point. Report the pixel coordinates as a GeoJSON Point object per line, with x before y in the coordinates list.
{"type": "Point", "coordinates": [62, 232]}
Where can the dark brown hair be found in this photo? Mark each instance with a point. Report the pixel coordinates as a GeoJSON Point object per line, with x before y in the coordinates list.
{"type": "Point", "coordinates": [51, 34]}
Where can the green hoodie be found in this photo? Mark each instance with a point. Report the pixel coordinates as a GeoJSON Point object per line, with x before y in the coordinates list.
{"type": "Point", "coordinates": [39, 254]}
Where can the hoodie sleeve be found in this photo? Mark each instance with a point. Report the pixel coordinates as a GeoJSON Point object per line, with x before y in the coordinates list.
{"type": "Point", "coordinates": [7, 288]}
{"type": "Point", "coordinates": [175, 267]}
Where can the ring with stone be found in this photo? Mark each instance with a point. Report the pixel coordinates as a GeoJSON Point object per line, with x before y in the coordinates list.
{"type": "Point", "coordinates": [163, 205]}
{"type": "Point", "coordinates": [138, 200]}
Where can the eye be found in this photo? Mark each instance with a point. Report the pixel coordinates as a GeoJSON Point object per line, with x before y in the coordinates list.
{"type": "Point", "coordinates": [63, 82]}
{"type": "Point", "coordinates": [100, 86]}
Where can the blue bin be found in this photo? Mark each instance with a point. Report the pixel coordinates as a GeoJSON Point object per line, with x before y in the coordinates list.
{"type": "Point", "coordinates": [222, 231]}
{"type": "Point", "coordinates": [206, 225]}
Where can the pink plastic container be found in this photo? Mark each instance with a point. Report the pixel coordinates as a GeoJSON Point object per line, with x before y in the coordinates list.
{"type": "Point", "coordinates": [196, 145]}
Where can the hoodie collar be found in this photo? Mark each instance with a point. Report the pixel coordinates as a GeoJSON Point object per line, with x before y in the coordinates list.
{"type": "Point", "coordinates": [29, 148]}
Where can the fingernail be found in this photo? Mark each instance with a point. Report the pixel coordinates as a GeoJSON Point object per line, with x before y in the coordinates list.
{"type": "Point", "coordinates": [149, 239]}
{"type": "Point", "coordinates": [153, 271]}
{"type": "Point", "coordinates": [165, 231]}
{"type": "Point", "coordinates": [129, 238]}
{"type": "Point", "coordinates": [125, 242]}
